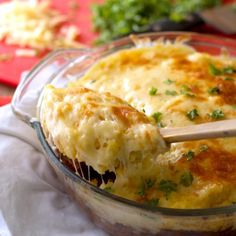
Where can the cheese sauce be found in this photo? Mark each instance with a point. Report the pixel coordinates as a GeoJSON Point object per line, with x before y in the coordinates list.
{"type": "Point", "coordinates": [173, 85]}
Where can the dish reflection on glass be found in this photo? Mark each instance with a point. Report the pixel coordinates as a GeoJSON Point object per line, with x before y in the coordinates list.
{"type": "Point", "coordinates": [117, 215]}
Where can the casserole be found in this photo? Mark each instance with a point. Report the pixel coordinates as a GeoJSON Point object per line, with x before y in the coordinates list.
{"type": "Point", "coordinates": [117, 215]}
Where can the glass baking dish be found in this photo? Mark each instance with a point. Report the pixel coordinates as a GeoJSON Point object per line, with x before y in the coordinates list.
{"type": "Point", "coordinates": [116, 215]}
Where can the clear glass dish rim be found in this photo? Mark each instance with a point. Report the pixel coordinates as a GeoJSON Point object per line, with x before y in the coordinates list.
{"type": "Point", "coordinates": [156, 210]}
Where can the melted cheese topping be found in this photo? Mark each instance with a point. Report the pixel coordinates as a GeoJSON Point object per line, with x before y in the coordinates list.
{"type": "Point", "coordinates": [191, 87]}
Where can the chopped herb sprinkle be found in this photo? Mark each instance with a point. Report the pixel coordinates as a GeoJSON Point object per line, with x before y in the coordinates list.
{"type": "Point", "coordinates": [147, 184]}
{"type": "Point", "coordinates": [153, 202]}
{"type": "Point", "coordinates": [168, 81]}
{"type": "Point", "coordinates": [152, 91]}
{"type": "Point", "coordinates": [214, 91]}
{"type": "Point", "coordinates": [167, 186]}
{"type": "Point", "coordinates": [141, 192]}
{"type": "Point", "coordinates": [157, 116]}
{"type": "Point", "coordinates": [203, 148]}
{"type": "Point", "coordinates": [186, 179]}
{"type": "Point", "coordinates": [193, 114]}
{"type": "Point", "coordinates": [171, 93]}
{"type": "Point", "coordinates": [184, 87]}
{"type": "Point", "coordinates": [185, 90]}
{"type": "Point", "coordinates": [160, 125]}
{"type": "Point", "coordinates": [228, 70]}
{"type": "Point", "coordinates": [108, 189]}
{"type": "Point", "coordinates": [214, 70]}
{"type": "Point", "coordinates": [217, 114]}
{"type": "Point", "coordinates": [189, 155]}
{"type": "Point", "coordinates": [228, 79]}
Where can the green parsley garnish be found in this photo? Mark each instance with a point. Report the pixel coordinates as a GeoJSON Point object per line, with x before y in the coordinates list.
{"type": "Point", "coordinates": [168, 81]}
{"type": "Point", "coordinates": [167, 186]}
{"type": "Point", "coordinates": [147, 184]}
{"type": "Point", "coordinates": [143, 110]}
{"type": "Point", "coordinates": [193, 114]}
{"type": "Point", "coordinates": [189, 155]}
{"type": "Point", "coordinates": [228, 79]}
{"type": "Point", "coordinates": [152, 91]}
{"type": "Point", "coordinates": [214, 91]}
{"type": "Point", "coordinates": [185, 90]}
{"type": "Point", "coordinates": [153, 202]}
{"type": "Point", "coordinates": [217, 114]}
{"type": "Point", "coordinates": [171, 93]}
{"type": "Point", "coordinates": [214, 70]}
{"type": "Point", "coordinates": [142, 190]}
{"type": "Point", "coordinates": [160, 125]}
{"type": "Point", "coordinates": [157, 116]}
{"type": "Point", "coordinates": [203, 148]}
{"type": "Point", "coordinates": [228, 70]}
{"type": "Point", "coordinates": [93, 81]}
{"type": "Point", "coordinates": [186, 179]}
{"type": "Point", "coordinates": [108, 189]}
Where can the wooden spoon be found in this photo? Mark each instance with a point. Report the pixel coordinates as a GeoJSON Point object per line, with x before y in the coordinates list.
{"type": "Point", "coordinates": [218, 129]}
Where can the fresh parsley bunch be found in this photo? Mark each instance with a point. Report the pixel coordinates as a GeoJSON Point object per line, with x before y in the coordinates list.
{"type": "Point", "coordinates": [115, 18]}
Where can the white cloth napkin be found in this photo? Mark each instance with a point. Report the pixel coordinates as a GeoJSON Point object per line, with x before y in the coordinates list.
{"type": "Point", "coordinates": [32, 201]}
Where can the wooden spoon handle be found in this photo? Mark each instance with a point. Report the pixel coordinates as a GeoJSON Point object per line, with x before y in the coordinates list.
{"type": "Point", "coordinates": [218, 129]}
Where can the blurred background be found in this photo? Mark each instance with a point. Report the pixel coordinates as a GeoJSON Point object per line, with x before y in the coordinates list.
{"type": "Point", "coordinates": [29, 29]}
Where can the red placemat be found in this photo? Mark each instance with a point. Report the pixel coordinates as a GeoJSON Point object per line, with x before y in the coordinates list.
{"type": "Point", "coordinates": [4, 100]}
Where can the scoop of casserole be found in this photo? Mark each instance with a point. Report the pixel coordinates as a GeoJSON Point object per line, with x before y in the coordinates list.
{"type": "Point", "coordinates": [97, 128]}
